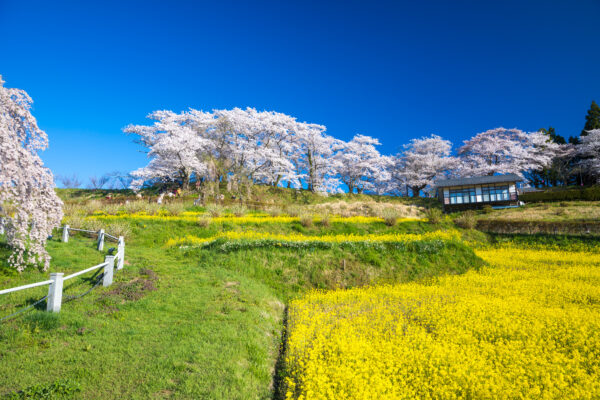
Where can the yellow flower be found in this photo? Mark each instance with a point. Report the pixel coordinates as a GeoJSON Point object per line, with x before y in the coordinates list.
{"type": "Point", "coordinates": [524, 327]}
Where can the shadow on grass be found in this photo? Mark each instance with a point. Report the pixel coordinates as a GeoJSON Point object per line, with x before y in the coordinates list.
{"type": "Point", "coordinates": [279, 373]}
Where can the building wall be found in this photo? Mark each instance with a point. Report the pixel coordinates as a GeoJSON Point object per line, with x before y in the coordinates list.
{"type": "Point", "coordinates": [475, 196]}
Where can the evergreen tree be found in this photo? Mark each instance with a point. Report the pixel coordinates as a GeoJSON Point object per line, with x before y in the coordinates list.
{"type": "Point", "coordinates": [592, 119]}
{"type": "Point", "coordinates": [551, 132]}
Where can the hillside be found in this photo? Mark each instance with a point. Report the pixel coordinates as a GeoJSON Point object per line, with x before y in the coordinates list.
{"type": "Point", "coordinates": [188, 321]}
{"type": "Point", "coordinates": [201, 308]}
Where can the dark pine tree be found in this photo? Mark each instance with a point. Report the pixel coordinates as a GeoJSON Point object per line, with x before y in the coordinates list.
{"type": "Point", "coordinates": [592, 119]}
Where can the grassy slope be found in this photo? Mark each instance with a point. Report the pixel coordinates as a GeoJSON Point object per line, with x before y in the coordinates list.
{"type": "Point", "coordinates": [210, 329]}
{"type": "Point", "coordinates": [559, 211]}
{"type": "Point", "coordinates": [267, 195]}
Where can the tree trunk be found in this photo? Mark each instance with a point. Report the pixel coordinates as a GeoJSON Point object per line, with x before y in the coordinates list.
{"type": "Point", "coordinates": [416, 190]}
{"type": "Point", "coordinates": [311, 172]}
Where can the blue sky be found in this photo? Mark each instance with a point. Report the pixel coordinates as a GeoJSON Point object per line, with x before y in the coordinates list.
{"type": "Point", "coordinates": [393, 70]}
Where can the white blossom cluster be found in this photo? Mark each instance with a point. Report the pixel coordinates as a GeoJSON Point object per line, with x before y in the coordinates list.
{"type": "Point", "coordinates": [275, 149]}
{"type": "Point", "coordinates": [29, 206]}
{"type": "Point", "coordinates": [257, 146]}
{"type": "Point", "coordinates": [589, 150]}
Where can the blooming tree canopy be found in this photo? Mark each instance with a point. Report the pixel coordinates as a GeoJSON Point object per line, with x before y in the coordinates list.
{"type": "Point", "coordinates": [361, 167]}
{"type": "Point", "coordinates": [423, 160]}
{"type": "Point", "coordinates": [29, 206]}
{"type": "Point", "coordinates": [589, 150]}
{"type": "Point", "coordinates": [241, 147]}
{"type": "Point", "coordinates": [236, 146]}
{"type": "Point", "coordinates": [505, 151]}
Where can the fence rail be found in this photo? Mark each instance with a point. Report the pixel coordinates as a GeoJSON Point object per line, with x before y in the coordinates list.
{"type": "Point", "coordinates": [29, 286]}
{"type": "Point", "coordinates": [55, 283]}
{"type": "Point", "coordinates": [84, 271]}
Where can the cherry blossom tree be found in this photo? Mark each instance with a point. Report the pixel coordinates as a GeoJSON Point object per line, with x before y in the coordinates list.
{"type": "Point", "coordinates": [589, 150]}
{"type": "Point", "coordinates": [29, 206]}
{"type": "Point", "coordinates": [315, 160]}
{"type": "Point", "coordinates": [174, 147]}
{"type": "Point", "coordinates": [422, 161]}
{"type": "Point", "coordinates": [361, 166]}
{"type": "Point", "coordinates": [504, 151]}
{"type": "Point", "coordinates": [240, 147]}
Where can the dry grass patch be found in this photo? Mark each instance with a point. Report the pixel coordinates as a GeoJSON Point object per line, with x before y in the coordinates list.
{"type": "Point", "coordinates": [366, 208]}
{"type": "Point", "coordinates": [580, 210]}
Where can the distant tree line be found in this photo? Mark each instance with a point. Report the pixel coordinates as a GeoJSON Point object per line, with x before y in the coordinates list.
{"type": "Point", "coordinates": [239, 148]}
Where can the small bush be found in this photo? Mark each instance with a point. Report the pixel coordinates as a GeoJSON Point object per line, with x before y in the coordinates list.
{"type": "Point", "coordinates": [75, 221]}
{"type": "Point", "coordinates": [433, 215]}
{"type": "Point", "coordinates": [215, 210]}
{"type": "Point", "coordinates": [466, 220]}
{"type": "Point", "coordinates": [274, 211]}
{"type": "Point", "coordinates": [325, 221]}
{"type": "Point", "coordinates": [389, 215]}
{"type": "Point", "coordinates": [238, 210]}
{"type": "Point", "coordinates": [174, 208]}
{"type": "Point", "coordinates": [138, 206]}
{"type": "Point", "coordinates": [306, 220]}
{"type": "Point", "coordinates": [92, 224]}
{"type": "Point", "coordinates": [204, 222]}
{"type": "Point", "coordinates": [119, 228]}
{"type": "Point", "coordinates": [487, 209]}
{"type": "Point", "coordinates": [293, 211]}
{"type": "Point", "coordinates": [564, 204]}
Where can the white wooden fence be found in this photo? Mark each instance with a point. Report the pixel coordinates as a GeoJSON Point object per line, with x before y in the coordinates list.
{"type": "Point", "coordinates": [55, 283]}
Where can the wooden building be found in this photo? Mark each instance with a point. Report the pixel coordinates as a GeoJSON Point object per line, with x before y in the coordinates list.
{"type": "Point", "coordinates": [475, 192]}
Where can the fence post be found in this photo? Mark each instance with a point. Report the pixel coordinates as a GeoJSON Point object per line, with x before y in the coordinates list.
{"type": "Point", "coordinates": [65, 235]}
{"type": "Point", "coordinates": [121, 253]}
{"type": "Point", "coordinates": [54, 299]}
{"type": "Point", "coordinates": [108, 270]}
{"type": "Point", "coordinates": [101, 240]}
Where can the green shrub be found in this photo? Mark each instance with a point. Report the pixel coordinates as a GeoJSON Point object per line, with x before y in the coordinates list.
{"type": "Point", "coordinates": [591, 193]}
{"type": "Point", "coordinates": [487, 209]}
{"type": "Point", "coordinates": [433, 215]}
{"type": "Point", "coordinates": [466, 220]}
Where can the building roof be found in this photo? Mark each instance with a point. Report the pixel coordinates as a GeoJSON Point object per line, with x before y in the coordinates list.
{"type": "Point", "coordinates": [478, 180]}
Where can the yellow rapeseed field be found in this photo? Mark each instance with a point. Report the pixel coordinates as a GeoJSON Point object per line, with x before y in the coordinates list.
{"type": "Point", "coordinates": [525, 327]}
{"type": "Point", "coordinates": [297, 237]}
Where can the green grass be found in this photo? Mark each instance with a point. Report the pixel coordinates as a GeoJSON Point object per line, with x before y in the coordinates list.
{"type": "Point", "coordinates": [188, 323]}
